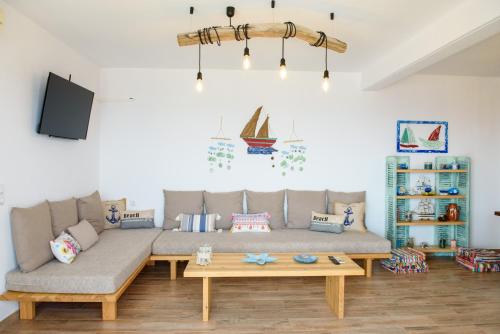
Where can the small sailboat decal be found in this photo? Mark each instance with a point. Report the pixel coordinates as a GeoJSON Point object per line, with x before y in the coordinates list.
{"type": "Point", "coordinates": [293, 136]}
{"type": "Point", "coordinates": [433, 141]}
{"type": "Point", "coordinates": [408, 139]}
{"type": "Point", "coordinates": [220, 135]}
{"type": "Point", "coordinates": [260, 143]}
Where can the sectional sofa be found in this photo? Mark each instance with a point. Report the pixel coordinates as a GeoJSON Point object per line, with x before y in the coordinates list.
{"type": "Point", "coordinates": [102, 273]}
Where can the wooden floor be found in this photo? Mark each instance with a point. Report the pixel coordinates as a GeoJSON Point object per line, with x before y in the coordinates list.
{"type": "Point", "coordinates": [449, 299]}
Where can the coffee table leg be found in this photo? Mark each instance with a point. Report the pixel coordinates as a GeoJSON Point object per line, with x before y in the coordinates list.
{"type": "Point", "coordinates": [335, 294]}
{"type": "Point", "coordinates": [207, 297]}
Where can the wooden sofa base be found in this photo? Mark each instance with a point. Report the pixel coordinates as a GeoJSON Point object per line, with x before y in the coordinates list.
{"type": "Point", "coordinates": [366, 257]}
{"type": "Point", "coordinates": [28, 300]}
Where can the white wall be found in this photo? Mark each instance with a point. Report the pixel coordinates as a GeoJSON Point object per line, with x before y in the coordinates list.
{"type": "Point", "coordinates": [35, 167]}
{"type": "Point", "coordinates": [160, 141]}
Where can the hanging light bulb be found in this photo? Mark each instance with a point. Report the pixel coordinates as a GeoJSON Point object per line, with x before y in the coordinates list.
{"type": "Point", "coordinates": [326, 81]}
{"type": "Point", "coordinates": [283, 72]}
{"type": "Point", "coordinates": [199, 75]}
{"type": "Point", "coordinates": [326, 74]}
{"type": "Point", "coordinates": [246, 52]}
{"type": "Point", "coordinates": [246, 58]}
{"type": "Point", "coordinates": [199, 82]}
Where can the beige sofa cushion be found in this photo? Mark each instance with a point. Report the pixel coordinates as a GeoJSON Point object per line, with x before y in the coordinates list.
{"type": "Point", "coordinates": [84, 233]}
{"type": "Point", "coordinates": [271, 202]}
{"type": "Point", "coordinates": [280, 241]}
{"type": "Point", "coordinates": [64, 214]}
{"type": "Point", "coordinates": [90, 209]}
{"type": "Point", "coordinates": [225, 204]}
{"type": "Point", "coordinates": [344, 197]}
{"type": "Point", "coordinates": [177, 202]}
{"type": "Point", "coordinates": [301, 203]}
{"type": "Point", "coordinates": [32, 232]}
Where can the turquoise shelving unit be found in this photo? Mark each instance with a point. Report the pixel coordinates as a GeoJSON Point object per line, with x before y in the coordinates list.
{"type": "Point", "coordinates": [398, 231]}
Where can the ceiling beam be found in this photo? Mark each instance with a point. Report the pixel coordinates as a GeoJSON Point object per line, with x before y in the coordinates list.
{"type": "Point", "coordinates": [462, 27]}
{"type": "Point", "coordinates": [270, 30]}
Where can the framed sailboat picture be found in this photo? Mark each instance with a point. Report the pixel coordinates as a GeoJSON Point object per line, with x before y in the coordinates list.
{"type": "Point", "coordinates": [422, 137]}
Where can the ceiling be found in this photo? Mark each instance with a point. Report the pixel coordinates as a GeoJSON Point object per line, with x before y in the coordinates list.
{"type": "Point", "coordinates": [132, 33]}
{"type": "Point", "coordinates": [482, 59]}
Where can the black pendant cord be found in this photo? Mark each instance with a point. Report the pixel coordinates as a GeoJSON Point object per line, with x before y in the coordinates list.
{"type": "Point", "coordinates": [199, 58]}
{"type": "Point", "coordinates": [321, 39]}
{"type": "Point", "coordinates": [205, 35]}
{"type": "Point", "coordinates": [326, 55]}
{"type": "Point", "coordinates": [241, 28]}
{"type": "Point", "coordinates": [290, 31]}
{"type": "Point", "coordinates": [283, 48]}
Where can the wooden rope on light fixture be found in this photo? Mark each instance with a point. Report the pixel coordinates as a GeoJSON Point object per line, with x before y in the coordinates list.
{"type": "Point", "coordinates": [262, 30]}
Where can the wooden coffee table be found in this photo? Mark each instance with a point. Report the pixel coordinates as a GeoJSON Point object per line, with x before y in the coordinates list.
{"type": "Point", "coordinates": [230, 265]}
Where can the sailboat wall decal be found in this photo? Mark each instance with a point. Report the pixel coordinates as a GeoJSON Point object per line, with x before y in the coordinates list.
{"type": "Point", "coordinates": [260, 143]}
{"type": "Point", "coordinates": [435, 132]}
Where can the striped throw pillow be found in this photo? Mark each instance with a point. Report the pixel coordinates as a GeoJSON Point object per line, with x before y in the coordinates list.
{"type": "Point", "coordinates": [197, 223]}
{"type": "Point", "coordinates": [256, 222]}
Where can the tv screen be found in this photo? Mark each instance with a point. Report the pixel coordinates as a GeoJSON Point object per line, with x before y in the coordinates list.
{"type": "Point", "coordinates": [66, 109]}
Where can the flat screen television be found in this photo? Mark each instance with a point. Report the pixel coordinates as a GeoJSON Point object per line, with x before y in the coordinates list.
{"type": "Point", "coordinates": [66, 109]}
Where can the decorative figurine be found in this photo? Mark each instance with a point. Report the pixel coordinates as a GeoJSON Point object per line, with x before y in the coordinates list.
{"type": "Point", "coordinates": [453, 191]}
{"type": "Point", "coordinates": [411, 242]}
{"type": "Point", "coordinates": [453, 244]}
{"type": "Point", "coordinates": [452, 212]}
{"type": "Point", "coordinates": [420, 185]}
{"type": "Point", "coordinates": [425, 210]}
{"type": "Point", "coordinates": [442, 218]}
{"type": "Point", "coordinates": [403, 166]}
{"type": "Point", "coordinates": [442, 243]}
{"type": "Point", "coordinates": [428, 165]}
{"type": "Point", "coordinates": [401, 191]}
{"type": "Point", "coordinates": [409, 216]}
{"type": "Point", "coordinates": [204, 255]}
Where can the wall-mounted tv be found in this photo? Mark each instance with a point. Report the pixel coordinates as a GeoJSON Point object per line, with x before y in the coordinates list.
{"type": "Point", "coordinates": [66, 109]}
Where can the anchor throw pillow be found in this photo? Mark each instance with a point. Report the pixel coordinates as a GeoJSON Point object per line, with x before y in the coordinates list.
{"type": "Point", "coordinates": [198, 223]}
{"type": "Point", "coordinates": [321, 222]}
{"type": "Point", "coordinates": [113, 212]}
{"type": "Point", "coordinates": [353, 213]}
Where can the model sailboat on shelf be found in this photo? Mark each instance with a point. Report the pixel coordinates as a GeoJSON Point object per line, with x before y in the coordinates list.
{"type": "Point", "coordinates": [433, 140]}
{"type": "Point", "coordinates": [260, 143]}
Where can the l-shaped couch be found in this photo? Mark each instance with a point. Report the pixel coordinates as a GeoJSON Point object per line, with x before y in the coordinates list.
{"type": "Point", "coordinates": [102, 273]}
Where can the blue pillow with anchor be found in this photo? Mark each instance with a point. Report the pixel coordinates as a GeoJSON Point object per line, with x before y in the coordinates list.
{"type": "Point", "coordinates": [354, 215]}
{"type": "Point", "coordinates": [113, 212]}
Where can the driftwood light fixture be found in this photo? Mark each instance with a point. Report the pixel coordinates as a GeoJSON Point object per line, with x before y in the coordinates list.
{"type": "Point", "coordinates": [217, 34]}
{"type": "Point", "coordinates": [263, 30]}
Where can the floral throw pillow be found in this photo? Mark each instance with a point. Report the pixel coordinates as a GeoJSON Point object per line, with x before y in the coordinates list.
{"type": "Point", "coordinates": [65, 248]}
{"type": "Point", "coordinates": [255, 222]}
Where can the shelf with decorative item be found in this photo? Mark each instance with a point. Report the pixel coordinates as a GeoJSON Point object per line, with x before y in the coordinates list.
{"type": "Point", "coordinates": [429, 223]}
{"type": "Point", "coordinates": [429, 196]}
{"type": "Point", "coordinates": [436, 249]}
{"type": "Point", "coordinates": [420, 171]}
